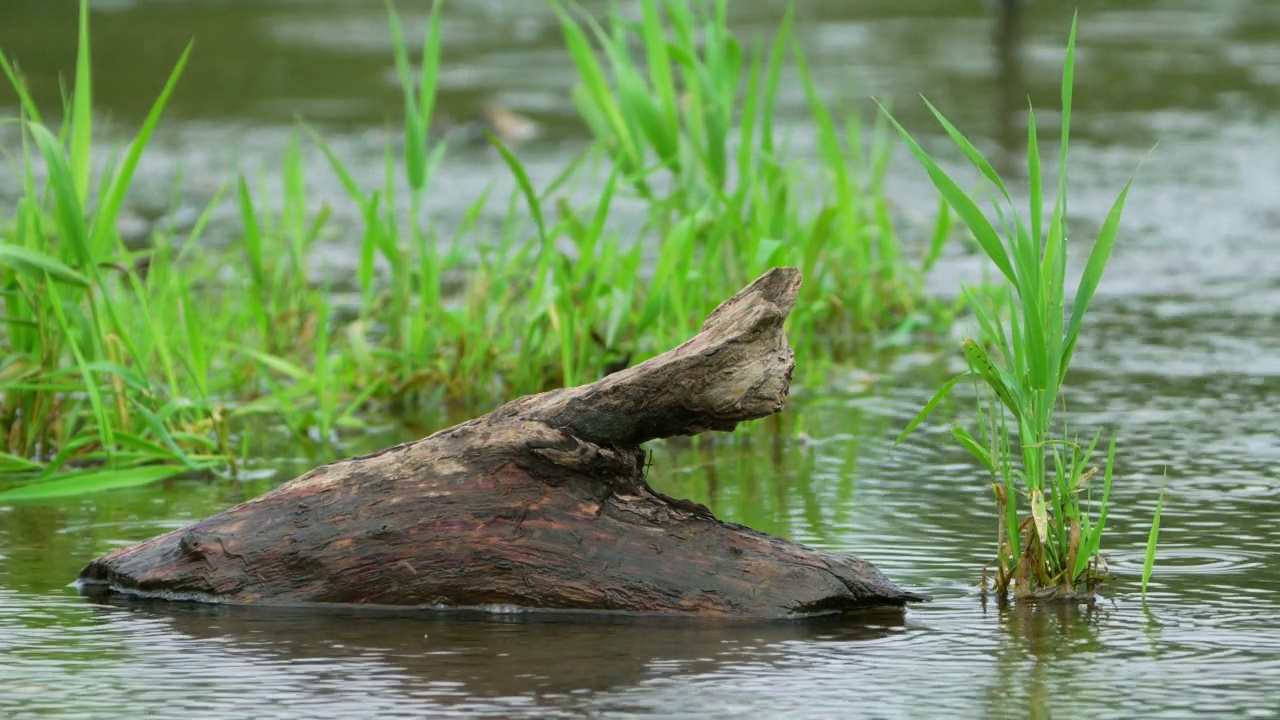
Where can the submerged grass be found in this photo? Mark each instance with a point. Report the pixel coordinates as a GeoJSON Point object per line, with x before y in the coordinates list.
{"type": "Point", "coordinates": [114, 358]}
{"type": "Point", "coordinates": [1032, 459]}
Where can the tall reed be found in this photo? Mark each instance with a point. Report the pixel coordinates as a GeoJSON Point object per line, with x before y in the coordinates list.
{"type": "Point", "coordinates": [1055, 550]}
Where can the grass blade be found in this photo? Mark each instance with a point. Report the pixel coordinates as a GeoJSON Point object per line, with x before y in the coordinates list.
{"type": "Point", "coordinates": [92, 481]}
{"type": "Point", "coordinates": [929, 406]}
{"type": "Point", "coordinates": [968, 442]}
{"type": "Point", "coordinates": [122, 178]}
{"type": "Point", "coordinates": [998, 379]}
{"type": "Point", "coordinates": [24, 98]}
{"type": "Point", "coordinates": [526, 186]}
{"type": "Point", "coordinates": [69, 209]}
{"type": "Point", "coordinates": [38, 264]}
{"type": "Point", "coordinates": [964, 206]}
{"type": "Point", "coordinates": [82, 110]}
{"type": "Point", "coordinates": [1153, 537]}
{"type": "Point", "coordinates": [970, 151]}
{"type": "Point", "coordinates": [1093, 270]}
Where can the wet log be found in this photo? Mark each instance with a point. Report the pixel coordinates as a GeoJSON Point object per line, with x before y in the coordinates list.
{"type": "Point", "coordinates": [543, 503]}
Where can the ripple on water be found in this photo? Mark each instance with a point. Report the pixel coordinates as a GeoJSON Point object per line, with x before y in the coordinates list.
{"type": "Point", "coordinates": [1188, 560]}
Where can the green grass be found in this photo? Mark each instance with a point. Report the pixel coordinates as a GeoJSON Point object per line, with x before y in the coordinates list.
{"type": "Point", "coordinates": [89, 375]}
{"type": "Point", "coordinates": [690, 128]}
{"type": "Point", "coordinates": [114, 359]}
{"type": "Point", "coordinates": [1153, 538]}
{"type": "Point", "coordinates": [1035, 462]}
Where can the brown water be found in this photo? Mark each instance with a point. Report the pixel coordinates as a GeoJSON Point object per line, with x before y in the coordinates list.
{"type": "Point", "coordinates": [1182, 356]}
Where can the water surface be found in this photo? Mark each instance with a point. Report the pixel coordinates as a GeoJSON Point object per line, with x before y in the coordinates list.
{"type": "Point", "coordinates": [1181, 356]}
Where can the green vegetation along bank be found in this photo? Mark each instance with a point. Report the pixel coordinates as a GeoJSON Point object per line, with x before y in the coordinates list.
{"type": "Point", "coordinates": [125, 364]}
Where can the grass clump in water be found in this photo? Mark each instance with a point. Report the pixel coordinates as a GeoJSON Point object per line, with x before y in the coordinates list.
{"type": "Point", "coordinates": [1052, 550]}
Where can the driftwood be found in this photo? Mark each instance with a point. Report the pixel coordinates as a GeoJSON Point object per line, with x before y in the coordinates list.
{"type": "Point", "coordinates": [542, 503]}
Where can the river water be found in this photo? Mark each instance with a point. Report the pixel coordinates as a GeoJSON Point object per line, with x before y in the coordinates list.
{"type": "Point", "coordinates": [1181, 356]}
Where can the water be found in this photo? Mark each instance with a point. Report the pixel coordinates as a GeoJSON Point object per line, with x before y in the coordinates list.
{"type": "Point", "coordinates": [1182, 355]}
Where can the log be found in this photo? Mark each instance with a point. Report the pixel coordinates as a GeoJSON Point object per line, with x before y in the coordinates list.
{"type": "Point", "coordinates": [543, 503]}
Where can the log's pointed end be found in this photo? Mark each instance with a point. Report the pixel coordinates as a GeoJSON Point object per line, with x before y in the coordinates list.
{"type": "Point", "coordinates": [778, 287]}
{"type": "Point", "coordinates": [859, 585]}
{"type": "Point", "coordinates": [915, 596]}
{"type": "Point", "coordinates": [908, 597]}
{"type": "Point", "coordinates": [737, 368]}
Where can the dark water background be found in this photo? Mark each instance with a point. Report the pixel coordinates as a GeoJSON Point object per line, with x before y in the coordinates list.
{"type": "Point", "coordinates": [1181, 355]}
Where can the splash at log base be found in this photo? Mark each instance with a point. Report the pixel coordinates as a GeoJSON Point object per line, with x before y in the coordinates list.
{"type": "Point", "coordinates": [542, 503]}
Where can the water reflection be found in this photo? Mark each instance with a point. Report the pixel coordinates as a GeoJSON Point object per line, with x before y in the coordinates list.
{"type": "Point", "coordinates": [1035, 639]}
{"type": "Point", "coordinates": [505, 656]}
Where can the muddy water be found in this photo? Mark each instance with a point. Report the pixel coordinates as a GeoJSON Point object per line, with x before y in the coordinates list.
{"type": "Point", "coordinates": [1182, 356]}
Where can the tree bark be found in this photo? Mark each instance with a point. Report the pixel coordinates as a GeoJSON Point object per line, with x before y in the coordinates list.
{"type": "Point", "coordinates": [542, 503]}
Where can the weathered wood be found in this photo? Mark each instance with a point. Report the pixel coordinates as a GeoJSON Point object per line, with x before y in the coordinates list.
{"type": "Point", "coordinates": [541, 503]}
